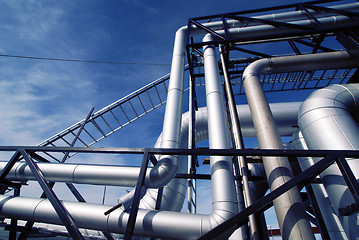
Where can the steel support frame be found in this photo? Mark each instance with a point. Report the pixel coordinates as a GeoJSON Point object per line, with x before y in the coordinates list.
{"type": "Point", "coordinates": [303, 178]}
{"type": "Point", "coordinates": [318, 216]}
{"type": "Point", "coordinates": [56, 203]}
{"type": "Point", "coordinates": [300, 31]}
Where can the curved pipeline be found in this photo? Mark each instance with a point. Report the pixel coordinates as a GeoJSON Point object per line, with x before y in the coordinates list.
{"type": "Point", "coordinates": [163, 172]}
{"type": "Point", "coordinates": [150, 223]}
{"type": "Point", "coordinates": [332, 223]}
{"type": "Point", "coordinates": [328, 120]}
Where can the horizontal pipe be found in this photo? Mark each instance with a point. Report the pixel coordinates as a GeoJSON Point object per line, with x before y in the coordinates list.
{"type": "Point", "coordinates": [77, 173]}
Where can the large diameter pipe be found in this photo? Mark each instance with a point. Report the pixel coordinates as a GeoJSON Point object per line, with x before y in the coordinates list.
{"type": "Point", "coordinates": [288, 207]}
{"type": "Point", "coordinates": [164, 171]}
{"type": "Point", "coordinates": [77, 173]}
{"type": "Point", "coordinates": [328, 120]}
{"type": "Point", "coordinates": [268, 136]}
{"type": "Point", "coordinates": [332, 223]}
{"type": "Point", "coordinates": [224, 200]}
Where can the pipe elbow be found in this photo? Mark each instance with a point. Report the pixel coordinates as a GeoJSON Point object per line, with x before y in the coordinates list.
{"type": "Point", "coordinates": [328, 102]}
{"type": "Point", "coordinates": [257, 68]}
{"type": "Point", "coordinates": [162, 173]}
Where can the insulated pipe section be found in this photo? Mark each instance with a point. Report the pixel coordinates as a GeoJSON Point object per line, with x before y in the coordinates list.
{"type": "Point", "coordinates": [166, 168]}
{"type": "Point", "coordinates": [328, 120]}
{"type": "Point", "coordinates": [288, 207]}
{"type": "Point", "coordinates": [332, 223]}
{"type": "Point", "coordinates": [224, 200]}
{"type": "Point", "coordinates": [278, 169]}
{"type": "Point", "coordinates": [77, 173]}
{"type": "Point", "coordinates": [285, 116]}
{"type": "Point", "coordinates": [163, 172]}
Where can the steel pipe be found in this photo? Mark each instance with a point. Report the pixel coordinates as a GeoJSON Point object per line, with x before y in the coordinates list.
{"type": "Point", "coordinates": [328, 121]}
{"type": "Point", "coordinates": [288, 207]}
{"type": "Point", "coordinates": [332, 223]}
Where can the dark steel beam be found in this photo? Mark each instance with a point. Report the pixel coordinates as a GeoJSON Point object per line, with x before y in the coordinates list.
{"type": "Point", "coordinates": [318, 215]}
{"type": "Point", "coordinates": [263, 203]}
{"type": "Point", "coordinates": [137, 196]}
{"type": "Point", "coordinates": [210, 31]}
{"type": "Point", "coordinates": [331, 10]}
{"type": "Point", "coordinates": [78, 133]}
{"type": "Point", "coordinates": [250, 52]}
{"type": "Point", "coordinates": [56, 203]}
{"type": "Point", "coordinates": [197, 151]}
{"type": "Point", "coordinates": [349, 177]}
{"type": "Point", "coordinates": [313, 45]}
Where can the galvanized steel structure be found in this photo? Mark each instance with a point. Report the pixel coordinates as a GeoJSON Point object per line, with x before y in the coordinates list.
{"type": "Point", "coordinates": [326, 124]}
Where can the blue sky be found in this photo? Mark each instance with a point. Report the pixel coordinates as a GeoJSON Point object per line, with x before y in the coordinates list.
{"type": "Point", "coordinates": [39, 98]}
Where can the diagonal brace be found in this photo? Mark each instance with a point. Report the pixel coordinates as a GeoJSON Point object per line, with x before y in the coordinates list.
{"type": "Point", "coordinates": [56, 203]}
{"type": "Point", "coordinates": [265, 202]}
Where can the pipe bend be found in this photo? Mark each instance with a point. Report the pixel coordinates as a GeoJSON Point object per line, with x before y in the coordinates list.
{"type": "Point", "coordinates": [257, 68]}
{"type": "Point", "coordinates": [334, 100]}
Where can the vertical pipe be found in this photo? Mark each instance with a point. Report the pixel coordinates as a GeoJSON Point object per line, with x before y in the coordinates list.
{"type": "Point", "coordinates": [167, 166]}
{"type": "Point", "coordinates": [238, 140]}
{"type": "Point", "coordinates": [223, 189]}
{"type": "Point", "coordinates": [289, 207]}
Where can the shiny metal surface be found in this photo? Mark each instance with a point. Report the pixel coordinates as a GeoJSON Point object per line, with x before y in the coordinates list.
{"type": "Point", "coordinates": [327, 120]}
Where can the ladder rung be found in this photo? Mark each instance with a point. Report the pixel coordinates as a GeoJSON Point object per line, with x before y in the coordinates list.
{"type": "Point", "coordinates": [63, 139]}
{"type": "Point", "coordinates": [133, 108]}
{"type": "Point", "coordinates": [115, 118]}
{"type": "Point", "coordinates": [51, 156]}
{"type": "Point", "coordinates": [144, 109]}
{"type": "Point", "coordinates": [89, 135]}
{"type": "Point", "coordinates": [106, 123]}
{"type": "Point", "coordinates": [150, 99]}
{"type": "Point", "coordinates": [159, 97]}
{"type": "Point", "coordinates": [164, 84]}
{"type": "Point", "coordinates": [98, 127]}
{"type": "Point", "coordinates": [125, 114]}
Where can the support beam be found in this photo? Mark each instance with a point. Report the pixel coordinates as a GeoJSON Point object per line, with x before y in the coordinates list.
{"type": "Point", "coordinates": [56, 203]}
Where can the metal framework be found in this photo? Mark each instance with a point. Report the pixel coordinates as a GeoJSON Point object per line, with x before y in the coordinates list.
{"type": "Point", "coordinates": [312, 37]}
{"type": "Point", "coordinates": [304, 178]}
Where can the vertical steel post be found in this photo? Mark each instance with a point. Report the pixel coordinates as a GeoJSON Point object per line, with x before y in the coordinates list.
{"type": "Point", "coordinates": [238, 140]}
{"type": "Point", "coordinates": [191, 183]}
{"type": "Point", "coordinates": [13, 224]}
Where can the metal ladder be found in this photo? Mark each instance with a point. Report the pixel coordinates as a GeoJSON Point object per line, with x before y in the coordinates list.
{"type": "Point", "coordinates": [110, 119]}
